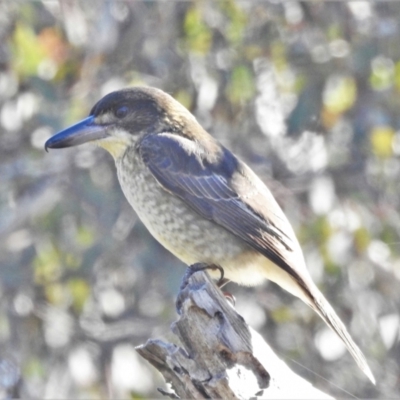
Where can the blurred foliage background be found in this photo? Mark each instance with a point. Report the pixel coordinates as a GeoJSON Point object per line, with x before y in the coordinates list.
{"type": "Point", "coordinates": [308, 93]}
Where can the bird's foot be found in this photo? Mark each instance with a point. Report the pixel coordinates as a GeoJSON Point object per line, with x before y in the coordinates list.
{"type": "Point", "coordinates": [202, 267]}
{"type": "Point", "coordinates": [229, 296]}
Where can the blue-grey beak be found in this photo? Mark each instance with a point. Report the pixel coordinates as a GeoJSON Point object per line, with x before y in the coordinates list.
{"type": "Point", "coordinates": [82, 132]}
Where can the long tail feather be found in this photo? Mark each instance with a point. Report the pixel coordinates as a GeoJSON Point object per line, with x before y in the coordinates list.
{"type": "Point", "coordinates": [328, 314]}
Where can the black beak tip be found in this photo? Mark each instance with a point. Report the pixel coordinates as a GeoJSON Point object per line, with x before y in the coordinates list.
{"type": "Point", "coordinates": [49, 144]}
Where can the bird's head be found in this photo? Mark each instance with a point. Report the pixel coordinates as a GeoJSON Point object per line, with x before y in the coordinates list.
{"type": "Point", "coordinates": [120, 118]}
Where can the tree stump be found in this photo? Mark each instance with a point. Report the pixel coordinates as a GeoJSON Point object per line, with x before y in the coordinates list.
{"type": "Point", "coordinates": [221, 356]}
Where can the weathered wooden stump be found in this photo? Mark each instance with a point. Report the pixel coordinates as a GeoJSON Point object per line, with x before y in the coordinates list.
{"type": "Point", "coordinates": [221, 356]}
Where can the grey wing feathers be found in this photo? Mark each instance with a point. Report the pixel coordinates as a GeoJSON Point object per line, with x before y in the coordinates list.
{"type": "Point", "coordinates": [219, 188]}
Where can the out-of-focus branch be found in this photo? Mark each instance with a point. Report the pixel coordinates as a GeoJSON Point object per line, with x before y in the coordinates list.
{"type": "Point", "coordinates": [221, 356]}
{"type": "Point", "coordinates": [10, 377]}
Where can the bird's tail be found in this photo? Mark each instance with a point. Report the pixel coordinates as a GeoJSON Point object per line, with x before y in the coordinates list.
{"type": "Point", "coordinates": [328, 314]}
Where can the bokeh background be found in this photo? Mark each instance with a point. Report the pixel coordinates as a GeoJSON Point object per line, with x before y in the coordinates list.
{"type": "Point", "coordinates": [307, 93]}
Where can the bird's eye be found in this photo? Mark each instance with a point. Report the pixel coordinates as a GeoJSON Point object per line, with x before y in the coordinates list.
{"type": "Point", "coordinates": [121, 111]}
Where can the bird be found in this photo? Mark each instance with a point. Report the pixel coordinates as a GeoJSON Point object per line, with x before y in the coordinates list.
{"type": "Point", "coordinates": [198, 199]}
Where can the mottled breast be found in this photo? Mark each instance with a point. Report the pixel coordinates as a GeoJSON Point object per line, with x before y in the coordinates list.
{"type": "Point", "coordinates": [186, 234]}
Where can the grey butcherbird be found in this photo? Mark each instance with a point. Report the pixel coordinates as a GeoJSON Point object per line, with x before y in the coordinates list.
{"type": "Point", "coordinates": [197, 198]}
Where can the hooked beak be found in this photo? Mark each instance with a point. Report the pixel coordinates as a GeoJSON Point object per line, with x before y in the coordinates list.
{"type": "Point", "coordinates": [82, 132]}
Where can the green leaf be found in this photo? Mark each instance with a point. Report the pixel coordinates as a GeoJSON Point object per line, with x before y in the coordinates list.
{"type": "Point", "coordinates": [241, 87]}
{"type": "Point", "coordinates": [27, 51]}
{"type": "Point", "coordinates": [382, 141]}
{"type": "Point", "coordinates": [198, 34]}
{"type": "Point", "coordinates": [80, 291]}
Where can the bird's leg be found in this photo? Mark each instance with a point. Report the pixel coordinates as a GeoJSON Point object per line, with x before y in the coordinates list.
{"type": "Point", "coordinates": [229, 296]}
{"type": "Point", "coordinates": [190, 270]}
{"type": "Point", "coordinates": [202, 267]}
{"type": "Point", "coordinates": [222, 281]}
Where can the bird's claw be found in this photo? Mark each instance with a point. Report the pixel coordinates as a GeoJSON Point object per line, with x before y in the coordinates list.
{"type": "Point", "coordinates": [195, 268]}
{"type": "Point", "coordinates": [202, 267]}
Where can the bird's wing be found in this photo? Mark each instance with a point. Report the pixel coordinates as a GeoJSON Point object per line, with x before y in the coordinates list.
{"type": "Point", "coordinates": [223, 189]}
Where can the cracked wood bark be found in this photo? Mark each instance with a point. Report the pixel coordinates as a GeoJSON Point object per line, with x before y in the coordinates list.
{"type": "Point", "coordinates": [221, 356]}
